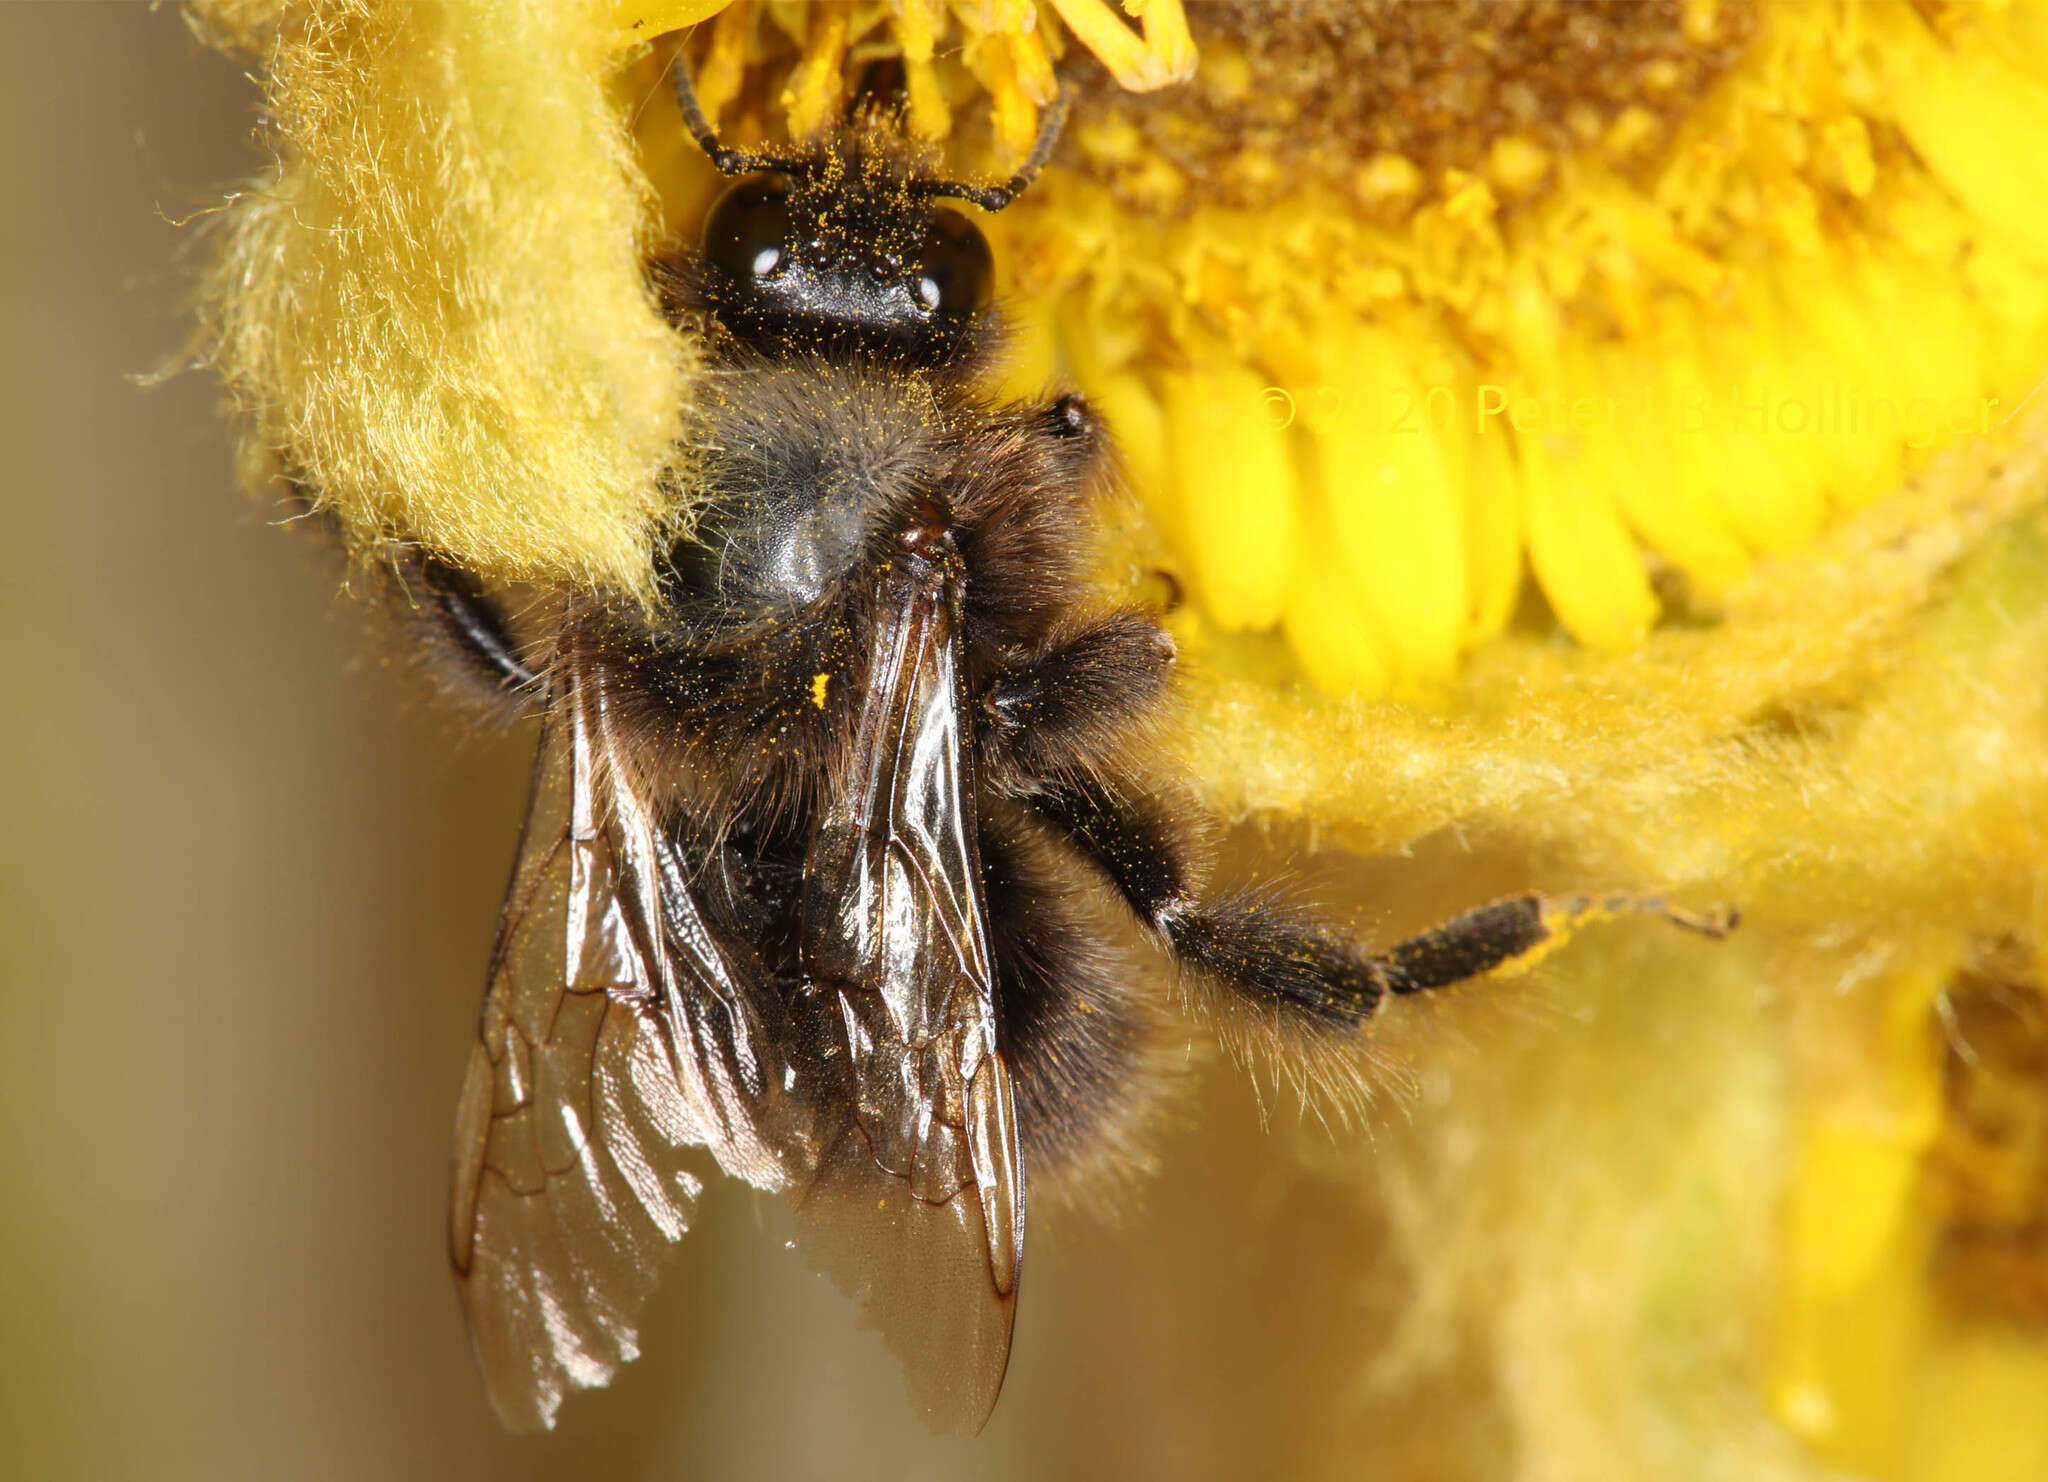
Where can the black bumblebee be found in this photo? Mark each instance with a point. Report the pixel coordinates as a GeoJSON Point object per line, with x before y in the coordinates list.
{"type": "Point", "coordinates": [793, 890]}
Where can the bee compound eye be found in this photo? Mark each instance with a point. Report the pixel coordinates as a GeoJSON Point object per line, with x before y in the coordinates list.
{"type": "Point", "coordinates": [956, 273]}
{"type": "Point", "coordinates": [746, 234]}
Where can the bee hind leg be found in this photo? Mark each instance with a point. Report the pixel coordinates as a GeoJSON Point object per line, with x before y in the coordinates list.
{"type": "Point", "coordinates": [1260, 947]}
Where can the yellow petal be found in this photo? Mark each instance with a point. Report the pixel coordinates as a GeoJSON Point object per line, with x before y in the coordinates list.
{"type": "Point", "coordinates": [1397, 518]}
{"type": "Point", "coordinates": [1235, 478]}
{"type": "Point", "coordinates": [1579, 549]}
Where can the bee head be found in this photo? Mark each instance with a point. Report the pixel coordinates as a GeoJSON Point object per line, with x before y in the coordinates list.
{"type": "Point", "coordinates": [847, 246]}
{"type": "Point", "coordinates": [842, 251]}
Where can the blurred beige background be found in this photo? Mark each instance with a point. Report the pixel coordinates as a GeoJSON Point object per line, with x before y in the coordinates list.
{"type": "Point", "coordinates": [248, 886]}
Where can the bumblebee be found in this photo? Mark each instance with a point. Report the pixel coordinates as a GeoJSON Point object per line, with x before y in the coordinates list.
{"type": "Point", "coordinates": [793, 895]}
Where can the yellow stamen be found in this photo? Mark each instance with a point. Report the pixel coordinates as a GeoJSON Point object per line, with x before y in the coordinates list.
{"type": "Point", "coordinates": [1166, 35]}
{"type": "Point", "coordinates": [1016, 115]}
{"type": "Point", "coordinates": [718, 80]}
{"type": "Point", "coordinates": [1334, 637]}
{"type": "Point", "coordinates": [917, 25]}
{"type": "Point", "coordinates": [812, 97]}
{"type": "Point", "coordinates": [1578, 547]}
{"type": "Point", "coordinates": [1680, 285]}
{"type": "Point", "coordinates": [1033, 67]}
{"type": "Point", "coordinates": [646, 19]}
{"type": "Point", "coordinates": [1164, 55]}
{"type": "Point", "coordinates": [1976, 120]}
{"type": "Point", "coordinates": [1493, 535]}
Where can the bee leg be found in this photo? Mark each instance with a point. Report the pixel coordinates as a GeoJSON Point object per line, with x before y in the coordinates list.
{"type": "Point", "coordinates": [1281, 956]}
{"type": "Point", "coordinates": [1255, 944]}
{"type": "Point", "coordinates": [460, 636]}
{"type": "Point", "coordinates": [473, 621]}
{"type": "Point", "coordinates": [1078, 699]}
{"type": "Point", "coordinates": [463, 636]}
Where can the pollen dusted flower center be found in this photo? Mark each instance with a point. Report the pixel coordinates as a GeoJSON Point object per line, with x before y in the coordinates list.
{"type": "Point", "coordinates": [1368, 97]}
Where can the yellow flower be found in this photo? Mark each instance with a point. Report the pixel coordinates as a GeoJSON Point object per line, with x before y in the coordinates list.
{"type": "Point", "coordinates": [1596, 443]}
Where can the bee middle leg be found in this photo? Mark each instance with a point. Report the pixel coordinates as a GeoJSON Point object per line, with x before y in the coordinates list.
{"type": "Point", "coordinates": [461, 635]}
{"type": "Point", "coordinates": [1080, 698]}
{"type": "Point", "coordinates": [473, 623]}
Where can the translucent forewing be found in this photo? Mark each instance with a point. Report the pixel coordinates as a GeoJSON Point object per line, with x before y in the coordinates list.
{"type": "Point", "coordinates": [918, 1204]}
{"type": "Point", "coordinates": [616, 1034]}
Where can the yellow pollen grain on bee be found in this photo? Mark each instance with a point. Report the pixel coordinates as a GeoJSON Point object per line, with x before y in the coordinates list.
{"type": "Point", "coordinates": [819, 684]}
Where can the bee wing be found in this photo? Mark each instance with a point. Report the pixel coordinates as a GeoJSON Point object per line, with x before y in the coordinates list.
{"type": "Point", "coordinates": [616, 1034]}
{"type": "Point", "coordinates": [917, 1206]}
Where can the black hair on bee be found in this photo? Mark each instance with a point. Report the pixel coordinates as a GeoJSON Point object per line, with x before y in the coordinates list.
{"type": "Point", "coordinates": [796, 888]}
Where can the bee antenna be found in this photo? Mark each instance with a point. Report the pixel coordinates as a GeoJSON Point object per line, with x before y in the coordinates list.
{"type": "Point", "coordinates": [995, 197]}
{"type": "Point", "coordinates": [724, 159]}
